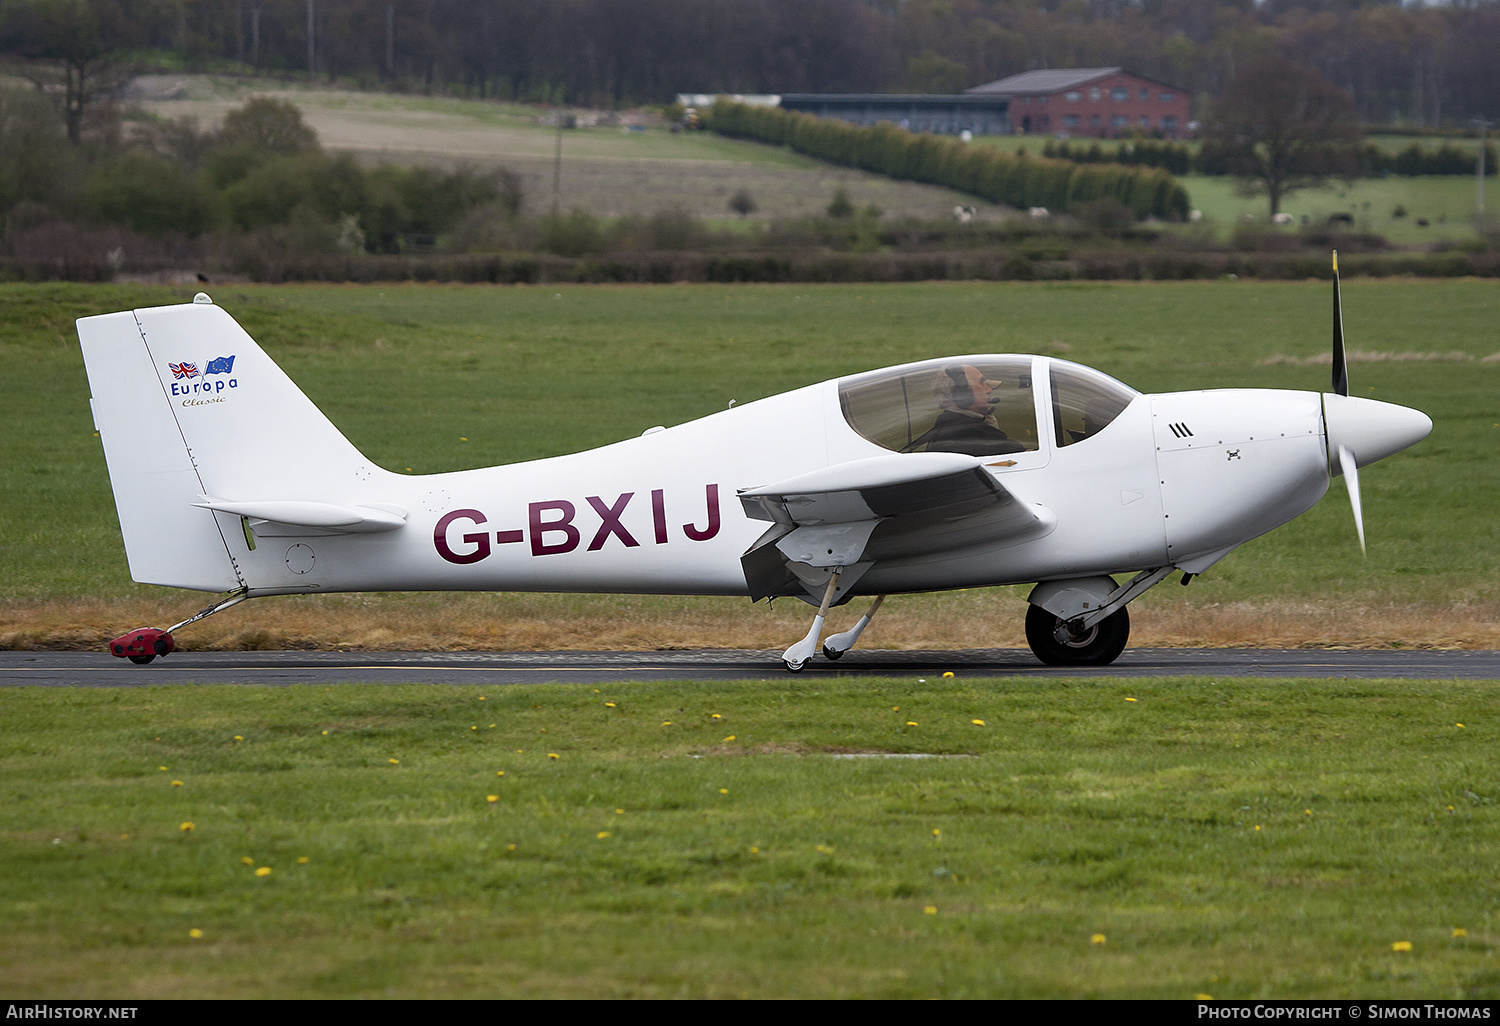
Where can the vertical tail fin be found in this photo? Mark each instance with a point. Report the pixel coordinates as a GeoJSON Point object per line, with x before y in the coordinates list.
{"type": "Point", "coordinates": [191, 409]}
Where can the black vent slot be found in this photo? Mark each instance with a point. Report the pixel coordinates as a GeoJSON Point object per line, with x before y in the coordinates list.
{"type": "Point", "coordinates": [1181, 430]}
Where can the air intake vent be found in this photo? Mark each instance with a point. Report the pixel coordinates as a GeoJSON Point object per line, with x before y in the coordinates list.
{"type": "Point", "coordinates": [1181, 430]}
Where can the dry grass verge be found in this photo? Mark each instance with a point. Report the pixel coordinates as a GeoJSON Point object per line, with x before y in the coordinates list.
{"type": "Point", "coordinates": [636, 623]}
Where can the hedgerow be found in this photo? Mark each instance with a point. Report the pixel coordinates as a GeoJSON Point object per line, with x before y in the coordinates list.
{"type": "Point", "coordinates": [1015, 180]}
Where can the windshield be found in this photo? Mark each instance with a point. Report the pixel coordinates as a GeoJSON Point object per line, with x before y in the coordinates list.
{"type": "Point", "coordinates": [1084, 401]}
{"type": "Point", "coordinates": [981, 406]}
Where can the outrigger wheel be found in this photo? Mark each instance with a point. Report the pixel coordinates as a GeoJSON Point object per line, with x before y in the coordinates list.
{"type": "Point", "coordinates": [1056, 643]}
{"type": "Point", "coordinates": [142, 644]}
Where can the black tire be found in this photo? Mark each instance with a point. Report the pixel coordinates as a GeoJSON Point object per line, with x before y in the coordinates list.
{"type": "Point", "coordinates": [1100, 645]}
{"type": "Point", "coordinates": [830, 653]}
{"type": "Point", "coordinates": [141, 659]}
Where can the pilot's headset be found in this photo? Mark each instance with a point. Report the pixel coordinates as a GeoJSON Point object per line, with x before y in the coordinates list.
{"type": "Point", "coordinates": [952, 389]}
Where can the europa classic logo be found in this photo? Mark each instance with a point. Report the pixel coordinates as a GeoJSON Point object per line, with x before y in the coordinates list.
{"type": "Point", "coordinates": [195, 386]}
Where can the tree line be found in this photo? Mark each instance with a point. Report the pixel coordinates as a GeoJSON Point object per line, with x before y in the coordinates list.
{"type": "Point", "coordinates": [1414, 64]}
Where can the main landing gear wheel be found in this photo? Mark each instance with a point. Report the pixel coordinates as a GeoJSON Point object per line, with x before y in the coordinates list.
{"type": "Point", "coordinates": [1099, 645]}
{"type": "Point", "coordinates": [142, 659]}
{"type": "Point", "coordinates": [833, 653]}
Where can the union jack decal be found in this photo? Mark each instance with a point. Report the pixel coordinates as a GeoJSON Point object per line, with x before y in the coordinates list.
{"type": "Point", "coordinates": [184, 370]}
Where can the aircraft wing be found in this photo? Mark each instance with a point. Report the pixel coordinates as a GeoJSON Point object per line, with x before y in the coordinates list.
{"type": "Point", "coordinates": [855, 514]}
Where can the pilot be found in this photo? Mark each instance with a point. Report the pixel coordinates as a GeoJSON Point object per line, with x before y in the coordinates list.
{"type": "Point", "coordinates": [966, 422]}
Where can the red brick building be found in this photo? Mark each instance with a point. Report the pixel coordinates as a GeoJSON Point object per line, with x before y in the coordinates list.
{"type": "Point", "coordinates": [1103, 103]}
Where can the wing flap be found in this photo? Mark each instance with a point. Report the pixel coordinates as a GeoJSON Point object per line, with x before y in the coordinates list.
{"type": "Point", "coordinates": [882, 508]}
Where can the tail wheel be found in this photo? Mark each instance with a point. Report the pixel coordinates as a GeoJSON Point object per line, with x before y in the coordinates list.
{"type": "Point", "coordinates": [141, 659]}
{"type": "Point", "coordinates": [1100, 645]}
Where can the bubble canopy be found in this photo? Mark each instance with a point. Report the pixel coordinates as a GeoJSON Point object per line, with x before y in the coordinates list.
{"type": "Point", "coordinates": [979, 405]}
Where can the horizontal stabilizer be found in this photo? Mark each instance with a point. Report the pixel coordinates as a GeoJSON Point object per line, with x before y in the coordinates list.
{"type": "Point", "coordinates": [359, 519]}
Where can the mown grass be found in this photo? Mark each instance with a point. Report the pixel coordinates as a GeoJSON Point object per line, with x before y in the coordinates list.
{"type": "Point", "coordinates": [1244, 839]}
{"type": "Point", "coordinates": [409, 371]}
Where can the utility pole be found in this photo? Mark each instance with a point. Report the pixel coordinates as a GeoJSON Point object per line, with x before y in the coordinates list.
{"type": "Point", "coordinates": [1479, 171]}
{"type": "Point", "coordinates": [557, 163]}
{"type": "Point", "coordinates": [390, 39]}
{"type": "Point", "coordinates": [311, 62]}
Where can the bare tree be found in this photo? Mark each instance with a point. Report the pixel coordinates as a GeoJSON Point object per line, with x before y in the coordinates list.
{"type": "Point", "coordinates": [1281, 127]}
{"type": "Point", "coordinates": [67, 46]}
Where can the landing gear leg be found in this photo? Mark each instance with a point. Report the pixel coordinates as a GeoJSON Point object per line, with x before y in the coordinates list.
{"type": "Point", "coordinates": [838, 644]}
{"type": "Point", "coordinates": [797, 656]}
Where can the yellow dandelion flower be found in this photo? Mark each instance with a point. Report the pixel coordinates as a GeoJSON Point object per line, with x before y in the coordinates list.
{"type": "Point", "coordinates": [1459, 931]}
{"type": "Point", "coordinates": [475, 727]}
{"type": "Point", "coordinates": [195, 933]}
{"type": "Point", "coordinates": [931, 910]}
{"type": "Point", "coordinates": [520, 751]}
{"type": "Point", "coordinates": [596, 691]}
{"type": "Point", "coordinates": [1203, 997]}
{"type": "Point", "coordinates": [1458, 724]}
{"type": "Point", "coordinates": [247, 860]}
{"type": "Point", "coordinates": [1131, 699]}
{"type": "Point", "coordinates": [602, 834]}
{"type": "Point", "coordinates": [461, 438]}
{"type": "Point", "coordinates": [263, 871]}
{"type": "Point", "coordinates": [912, 723]}
{"type": "Point", "coordinates": [394, 762]}
{"type": "Point", "coordinates": [666, 723]}
{"type": "Point", "coordinates": [492, 726]}
{"type": "Point", "coordinates": [325, 733]}
{"type": "Point", "coordinates": [977, 723]}
{"type": "Point", "coordinates": [492, 798]}
{"type": "Point", "coordinates": [754, 850]}
{"type": "Point", "coordinates": [1450, 808]}
{"type": "Point", "coordinates": [1401, 946]}
{"type": "Point", "coordinates": [510, 847]}
{"type": "Point", "coordinates": [716, 716]}
{"type": "Point", "coordinates": [1257, 826]}
{"type": "Point", "coordinates": [124, 837]}
{"type": "Point", "coordinates": [729, 738]}
{"type": "Point", "coordinates": [1097, 938]}
{"type": "Point", "coordinates": [1307, 812]}
{"type": "Point", "coordinates": [936, 832]}
{"type": "Point", "coordinates": [723, 790]}
{"type": "Point", "coordinates": [303, 860]}
{"type": "Point", "coordinates": [544, 730]}
{"type": "Point", "coordinates": [162, 768]}
{"type": "Point", "coordinates": [551, 755]}
{"type": "Point", "coordinates": [239, 737]}
{"type": "Point", "coordinates": [481, 698]}
{"type": "Point", "coordinates": [176, 783]}
{"type": "Point", "coordinates": [619, 812]}
{"type": "Point", "coordinates": [499, 773]}
{"type": "Point", "coordinates": [947, 673]}
{"type": "Point", "coordinates": [185, 828]}
{"type": "Point", "coordinates": [609, 705]}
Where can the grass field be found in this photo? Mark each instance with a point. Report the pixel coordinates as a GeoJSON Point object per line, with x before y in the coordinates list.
{"type": "Point", "coordinates": [1244, 839]}
{"type": "Point", "coordinates": [409, 371]}
{"type": "Point", "coordinates": [605, 169]}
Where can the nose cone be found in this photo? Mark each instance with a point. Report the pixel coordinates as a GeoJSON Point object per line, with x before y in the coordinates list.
{"type": "Point", "coordinates": [1370, 430]}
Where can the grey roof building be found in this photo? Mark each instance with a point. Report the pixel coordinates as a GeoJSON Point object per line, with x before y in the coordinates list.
{"type": "Point", "coordinates": [916, 112]}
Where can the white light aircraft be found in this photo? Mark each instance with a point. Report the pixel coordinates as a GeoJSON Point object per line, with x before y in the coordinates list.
{"type": "Point", "coordinates": [952, 473]}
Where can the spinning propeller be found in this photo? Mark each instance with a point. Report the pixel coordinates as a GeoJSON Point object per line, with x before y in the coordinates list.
{"type": "Point", "coordinates": [1361, 431]}
{"type": "Point", "coordinates": [1341, 387]}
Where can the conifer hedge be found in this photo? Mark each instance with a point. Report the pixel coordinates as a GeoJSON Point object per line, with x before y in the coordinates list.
{"type": "Point", "coordinates": [1018, 181]}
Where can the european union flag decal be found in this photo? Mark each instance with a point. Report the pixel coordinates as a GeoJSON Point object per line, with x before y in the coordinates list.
{"type": "Point", "coordinates": [221, 365]}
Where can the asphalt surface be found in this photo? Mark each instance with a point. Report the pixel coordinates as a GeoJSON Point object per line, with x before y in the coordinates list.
{"type": "Point", "coordinates": [99, 669]}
